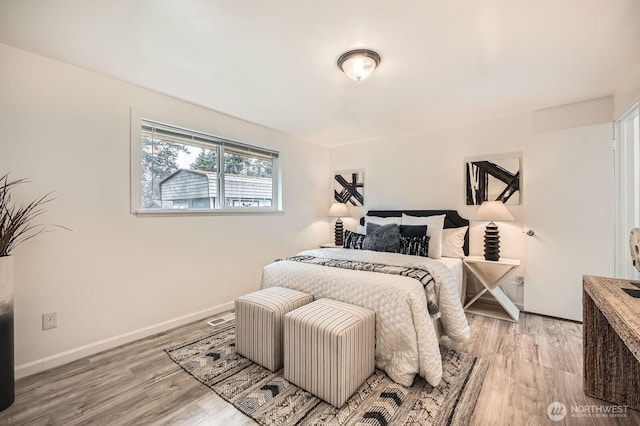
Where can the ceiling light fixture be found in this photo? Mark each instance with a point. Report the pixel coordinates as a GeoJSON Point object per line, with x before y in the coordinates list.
{"type": "Point", "coordinates": [358, 64]}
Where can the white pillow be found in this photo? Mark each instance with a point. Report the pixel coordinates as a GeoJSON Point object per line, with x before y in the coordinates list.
{"type": "Point", "coordinates": [452, 242]}
{"type": "Point", "coordinates": [378, 221]}
{"type": "Point", "coordinates": [434, 231]}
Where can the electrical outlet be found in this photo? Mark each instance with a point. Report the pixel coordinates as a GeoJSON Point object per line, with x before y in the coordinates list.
{"type": "Point", "coordinates": [519, 279]}
{"type": "Point", "coordinates": [49, 321]}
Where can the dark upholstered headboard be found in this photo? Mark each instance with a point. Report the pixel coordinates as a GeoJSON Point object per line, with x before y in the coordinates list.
{"type": "Point", "coordinates": [451, 220]}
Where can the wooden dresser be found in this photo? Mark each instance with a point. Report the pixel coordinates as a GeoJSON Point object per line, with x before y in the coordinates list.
{"type": "Point", "coordinates": [611, 335]}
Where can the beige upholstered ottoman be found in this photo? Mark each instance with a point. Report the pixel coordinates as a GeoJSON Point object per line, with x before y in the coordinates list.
{"type": "Point", "coordinates": [259, 323]}
{"type": "Point", "coordinates": [329, 348]}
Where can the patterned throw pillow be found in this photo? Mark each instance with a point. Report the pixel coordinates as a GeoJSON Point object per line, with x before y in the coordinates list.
{"type": "Point", "coordinates": [434, 231]}
{"type": "Point", "coordinates": [353, 240]}
{"type": "Point", "coordinates": [415, 246]}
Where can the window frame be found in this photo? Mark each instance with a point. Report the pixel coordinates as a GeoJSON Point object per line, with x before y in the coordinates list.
{"type": "Point", "coordinates": [136, 206]}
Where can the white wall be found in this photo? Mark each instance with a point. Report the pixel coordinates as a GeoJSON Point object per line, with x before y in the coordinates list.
{"type": "Point", "coordinates": [116, 276]}
{"type": "Point", "coordinates": [426, 171]}
{"type": "Point", "coordinates": [627, 92]}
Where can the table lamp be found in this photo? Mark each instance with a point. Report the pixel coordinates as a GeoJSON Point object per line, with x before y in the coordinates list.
{"type": "Point", "coordinates": [339, 210]}
{"type": "Point", "coordinates": [492, 210]}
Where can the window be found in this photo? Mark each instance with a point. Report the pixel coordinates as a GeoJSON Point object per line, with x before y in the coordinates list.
{"type": "Point", "coordinates": [183, 169]}
{"type": "Point", "coordinates": [627, 188]}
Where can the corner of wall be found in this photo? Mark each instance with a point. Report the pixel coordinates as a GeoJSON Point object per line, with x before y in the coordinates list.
{"type": "Point", "coordinates": [578, 114]}
{"type": "Point", "coordinates": [627, 92]}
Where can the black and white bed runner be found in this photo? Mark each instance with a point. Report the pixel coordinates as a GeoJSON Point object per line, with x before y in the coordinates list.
{"type": "Point", "coordinates": [422, 275]}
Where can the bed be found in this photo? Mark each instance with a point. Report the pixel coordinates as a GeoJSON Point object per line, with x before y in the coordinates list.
{"type": "Point", "coordinates": [413, 296]}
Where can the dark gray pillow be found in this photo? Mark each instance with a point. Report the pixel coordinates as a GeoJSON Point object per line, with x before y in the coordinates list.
{"type": "Point", "coordinates": [413, 230]}
{"type": "Point", "coordinates": [382, 238]}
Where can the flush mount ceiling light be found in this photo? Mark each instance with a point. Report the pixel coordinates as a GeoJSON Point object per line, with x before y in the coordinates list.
{"type": "Point", "coordinates": [358, 64]}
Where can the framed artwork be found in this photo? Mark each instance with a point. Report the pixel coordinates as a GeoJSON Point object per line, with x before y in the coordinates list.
{"type": "Point", "coordinates": [494, 178]}
{"type": "Point", "coordinates": [348, 187]}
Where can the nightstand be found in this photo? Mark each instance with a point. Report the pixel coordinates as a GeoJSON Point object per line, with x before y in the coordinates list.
{"type": "Point", "coordinates": [328, 245]}
{"type": "Point", "coordinates": [478, 267]}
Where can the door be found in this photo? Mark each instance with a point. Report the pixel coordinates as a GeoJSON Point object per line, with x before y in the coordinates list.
{"type": "Point", "coordinates": [568, 204]}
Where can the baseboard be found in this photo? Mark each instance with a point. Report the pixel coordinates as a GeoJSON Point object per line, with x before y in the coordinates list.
{"type": "Point", "coordinates": [75, 354]}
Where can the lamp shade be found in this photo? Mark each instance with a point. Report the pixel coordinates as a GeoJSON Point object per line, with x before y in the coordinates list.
{"type": "Point", "coordinates": [493, 210]}
{"type": "Point", "coordinates": [338, 210]}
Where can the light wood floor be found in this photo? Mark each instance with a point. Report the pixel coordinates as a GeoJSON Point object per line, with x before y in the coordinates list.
{"type": "Point", "coordinates": [532, 363]}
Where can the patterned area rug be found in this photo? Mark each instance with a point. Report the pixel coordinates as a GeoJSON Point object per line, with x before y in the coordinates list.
{"type": "Point", "coordinates": [269, 399]}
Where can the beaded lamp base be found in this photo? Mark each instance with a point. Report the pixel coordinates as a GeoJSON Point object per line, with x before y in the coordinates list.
{"type": "Point", "coordinates": [491, 242]}
{"type": "Point", "coordinates": [339, 237]}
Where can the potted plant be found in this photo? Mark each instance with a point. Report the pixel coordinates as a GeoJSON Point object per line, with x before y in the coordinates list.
{"type": "Point", "coordinates": [16, 227]}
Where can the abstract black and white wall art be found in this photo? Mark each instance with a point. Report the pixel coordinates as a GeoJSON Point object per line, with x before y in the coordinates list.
{"type": "Point", "coordinates": [495, 178]}
{"type": "Point", "coordinates": [349, 187]}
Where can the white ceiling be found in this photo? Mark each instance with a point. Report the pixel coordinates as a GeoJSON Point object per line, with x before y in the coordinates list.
{"type": "Point", "coordinates": [274, 62]}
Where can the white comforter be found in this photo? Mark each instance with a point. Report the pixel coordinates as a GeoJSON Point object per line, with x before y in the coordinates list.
{"type": "Point", "coordinates": [406, 341]}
